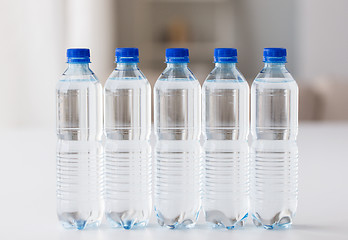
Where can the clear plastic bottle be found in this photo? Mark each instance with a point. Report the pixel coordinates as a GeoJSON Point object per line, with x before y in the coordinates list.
{"type": "Point", "coordinates": [79, 147]}
{"type": "Point", "coordinates": [177, 112]}
{"type": "Point", "coordinates": [225, 123]}
{"type": "Point", "coordinates": [127, 149]}
{"type": "Point", "coordinates": [274, 127]}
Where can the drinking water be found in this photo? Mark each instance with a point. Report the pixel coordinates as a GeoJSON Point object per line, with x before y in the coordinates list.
{"type": "Point", "coordinates": [127, 149]}
{"type": "Point", "coordinates": [274, 127]}
{"type": "Point", "coordinates": [225, 124]}
{"type": "Point", "coordinates": [79, 147]}
{"type": "Point", "coordinates": [177, 117]}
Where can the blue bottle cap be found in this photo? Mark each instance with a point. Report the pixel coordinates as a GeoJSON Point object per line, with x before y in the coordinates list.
{"type": "Point", "coordinates": [177, 55]}
{"type": "Point", "coordinates": [274, 55]}
{"type": "Point", "coordinates": [78, 55]}
{"type": "Point", "coordinates": [225, 55]}
{"type": "Point", "coordinates": [127, 55]}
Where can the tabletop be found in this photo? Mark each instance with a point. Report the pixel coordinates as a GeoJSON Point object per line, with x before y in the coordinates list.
{"type": "Point", "coordinates": [27, 183]}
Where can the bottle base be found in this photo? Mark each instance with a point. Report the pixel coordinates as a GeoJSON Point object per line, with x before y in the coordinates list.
{"type": "Point", "coordinates": [178, 222]}
{"type": "Point", "coordinates": [72, 220]}
{"type": "Point", "coordinates": [187, 224]}
{"type": "Point", "coordinates": [218, 219]}
{"type": "Point", "coordinates": [279, 221]}
{"type": "Point", "coordinates": [118, 220]}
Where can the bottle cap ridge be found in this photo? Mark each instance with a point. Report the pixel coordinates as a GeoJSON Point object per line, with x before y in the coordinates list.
{"type": "Point", "coordinates": [127, 55]}
{"type": "Point", "coordinates": [78, 55]}
{"type": "Point", "coordinates": [274, 55]}
{"type": "Point", "coordinates": [225, 55]}
{"type": "Point", "coordinates": [177, 55]}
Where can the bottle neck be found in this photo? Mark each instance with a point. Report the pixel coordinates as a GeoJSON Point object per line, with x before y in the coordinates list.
{"type": "Point", "coordinates": [274, 65]}
{"type": "Point", "coordinates": [78, 68]}
{"type": "Point", "coordinates": [127, 66]}
{"type": "Point", "coordinates": [274, 71]}
{"type": "Point", "coordinates": [225, 65]}
{"type": "Point", "coordinates": [177, 65]}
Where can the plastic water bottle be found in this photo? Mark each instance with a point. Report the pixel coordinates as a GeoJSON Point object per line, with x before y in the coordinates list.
{"type": "Point", "coordinates": [177, 127]}
{"type": "Point", "coordinates": [127, 149]}
{"type": "Point", "coordinates": [225, 123]}
{"type": "Point", "coordinates": [79, 147]}
{"type": "Point", "coordinates": [274, 127]}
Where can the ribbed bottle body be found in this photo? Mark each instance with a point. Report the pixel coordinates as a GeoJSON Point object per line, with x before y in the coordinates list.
{"type": "Point", "coordinates": [128, 183]}
{"type": "Point", "coordinates": [274, 127]}
{"type": "Point", "coordinates": [225, 183]}
{"type": "Point", "coordinates": [225, 127]}
{"type": "Point", "coordinates": [177, 183]}
{"type": "Point", "coordinates": [177, 111]}
{"type": "Point", "coordinates": [274, 171]}
{"type": "Point", "coordinates": [79, 148]}
{"type": "Point", "coordinates": [127, 97]}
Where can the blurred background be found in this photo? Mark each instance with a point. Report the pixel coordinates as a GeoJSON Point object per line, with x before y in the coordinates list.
{"type": "Point", "coordinates": [36, 34]}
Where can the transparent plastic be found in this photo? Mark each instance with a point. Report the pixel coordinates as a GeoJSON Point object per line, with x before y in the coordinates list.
{"type": "Point", "coordinates": [274, 127]}
{"type": "Point", "coordinates": [177, 111]}
{"type": "Point", "coordinates": [79, 148]}
{"type": "Point", "coordinates": [225, 124]}
{"type": "Point", "coordinates": [127, 97]}
{"type": "Point", "coordinates": [225, 104]}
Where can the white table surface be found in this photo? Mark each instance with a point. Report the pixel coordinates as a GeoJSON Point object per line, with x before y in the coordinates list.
{"type": "Point", "coordinates": [27, 190]}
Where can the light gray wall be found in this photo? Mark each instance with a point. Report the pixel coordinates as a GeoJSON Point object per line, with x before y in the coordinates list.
{"type": "Point", "coordinates": [36, 34]}
{"type": "Point", "coordinates": [260, 24]}
{"type": "Point", "coordinates": [92, 24]}
{"type": "Point", "coordinates": [322, 38]}
{"type": "Point", "coordinates": [31, 44]}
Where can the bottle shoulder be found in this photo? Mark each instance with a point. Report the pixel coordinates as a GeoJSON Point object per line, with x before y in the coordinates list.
{"type": "Point", "coordinates": [274, 83]}
{"type": "Point", "coordinates": [125, 79]}
{"type": "Point", "coordinates": [177, 74]}
{"type": "Point", "coordinates": [177, 78]}
{"type": "Point", "coordinates": [273, 77]}
{"type": "Point", "coordinates": [78, 72]}
{"type": "Point", "coordinates": [276, 73]}
{"type": "Point", "coordinates": [78, 83]}
{"type": "Point", "coordinates": [126, 74]}
{"type": "Point", "coordinates": [177, 84]}
{"type": "Point", "coordinates": [78, 75]}
{"type": "Point", "coordinates": [219, 74]}
{"type": "Point", "coordinates": [225, 85]}
{"type": "Point", "coordinates": [90, 77]}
